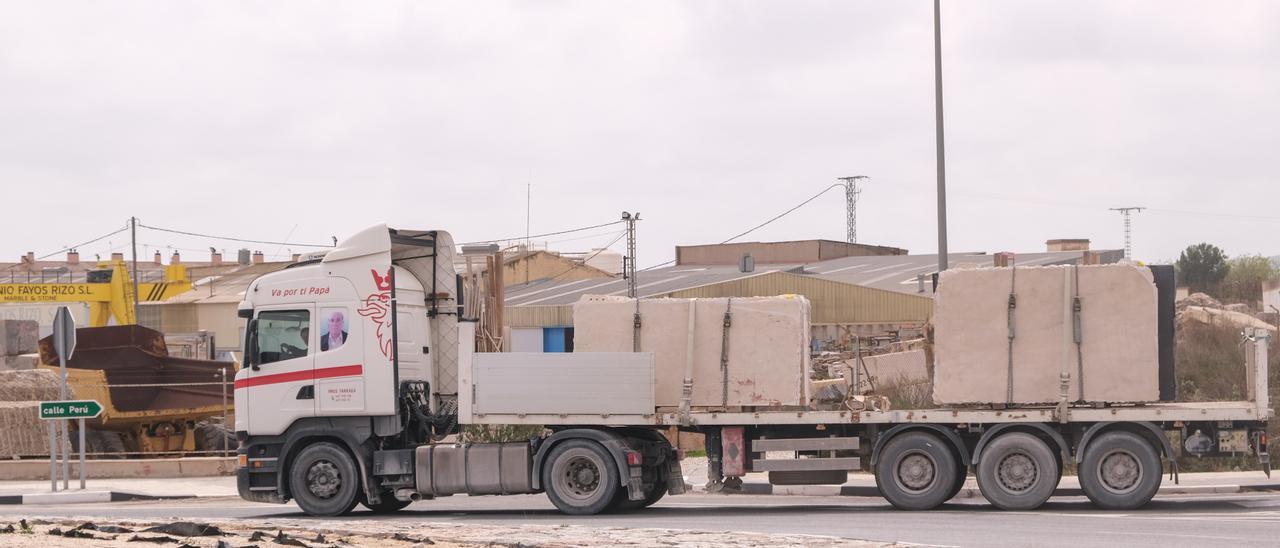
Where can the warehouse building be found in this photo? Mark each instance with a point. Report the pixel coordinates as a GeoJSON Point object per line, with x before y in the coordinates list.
{"type": "Point", "coordinates": [853, 289]}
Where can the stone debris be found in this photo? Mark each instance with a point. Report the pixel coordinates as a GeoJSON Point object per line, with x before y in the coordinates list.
{"type": "Point", "coordinates": [186, 529]}
{"type": "Point", "coordinates": [380, 534]}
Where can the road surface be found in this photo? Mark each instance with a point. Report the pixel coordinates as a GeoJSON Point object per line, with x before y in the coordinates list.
{"type": "Point", "coordinates": [1199, 520]}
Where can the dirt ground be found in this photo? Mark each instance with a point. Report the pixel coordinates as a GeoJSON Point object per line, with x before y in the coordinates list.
{"type": "Point", "coordinates": [89, 532]}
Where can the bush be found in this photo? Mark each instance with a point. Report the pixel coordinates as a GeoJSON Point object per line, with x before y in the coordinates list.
{"type": "Point", "coordinates": [1210, 367]}
{"type": "Point", "coordinates": [499, 433]}
{"type": "Point", "coordinates": [1245, 274]}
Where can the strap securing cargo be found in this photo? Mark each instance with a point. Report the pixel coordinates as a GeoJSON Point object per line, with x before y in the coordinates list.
{"type": "Point", "coordinates": [724, 353]}
{"type": "Point", "coordinates": [635, 328]}
{"type": "Point", "coordinates": [1013, 305]}
{"type": "Point", "coordinates": [1077, 331]}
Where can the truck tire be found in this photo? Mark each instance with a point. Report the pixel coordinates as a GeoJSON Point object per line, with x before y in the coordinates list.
{"type": "Point", "coordinates": [210, 436]}
{"type": "Point", "coordinates": [580, 477]}
{"type": "Point", "coordinates": [1120, 471]}
{"type": "Point", "coordinates": [388, 504]}
{"type": "Point", "coordinates": [962, 473]}
{"type": "Point", "coordinates": [108, 442]}
{"type": "Point", "coordinates": [651, 496]}
{"type": "Point", "coordinates": [916, 471]}
{"type": "Point", "coordinates": [324, 480]}
{"type": "Point", "coordinates": [1017, 471]}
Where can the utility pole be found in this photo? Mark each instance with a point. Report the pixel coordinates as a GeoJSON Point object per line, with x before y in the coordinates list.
{"type": "Point", "coordinates": [133, 237]}
{"type": "Point", "coordinates": [942, 157]}
{"type": "Point", "coordinates": [1128, 228]}
{"type": "Point", "coordinates": [528, 208]}
{"type": "Point", "coordinates": [629, 267]}
{"type": "Point", "coordinates": [851, 192]}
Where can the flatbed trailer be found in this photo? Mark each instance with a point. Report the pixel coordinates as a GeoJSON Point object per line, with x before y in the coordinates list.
{"type": "Point", "coordinates": [328, 434]}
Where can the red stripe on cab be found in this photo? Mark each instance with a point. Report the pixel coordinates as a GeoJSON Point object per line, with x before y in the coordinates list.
{"type": "Point", "coordinates": [295, 376]}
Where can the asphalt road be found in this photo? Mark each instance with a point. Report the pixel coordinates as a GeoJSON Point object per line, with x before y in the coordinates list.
{"type": "Point", "coordinates": [1201, 520]}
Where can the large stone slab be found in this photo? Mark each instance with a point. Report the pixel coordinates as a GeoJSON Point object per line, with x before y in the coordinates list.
{"type": "Point", "coordinates": [768, 350]}
{"type": "Point", "coordinates": [21, 362]}
{"type": "Point", "coordinates": [1118, 326]}
{"type": "Point", "coordinates": [896, 366]}
{"type": "Point", "coordinates": [18, 337]}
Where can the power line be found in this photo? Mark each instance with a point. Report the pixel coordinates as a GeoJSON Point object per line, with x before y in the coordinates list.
{"type": "Point", "coordinates": [557, 233]}
{"type": "Point", "coordinates": [82, 244]}
{"type": "Point", "coordinates": [584, 260]}
{"type": "Point", "coordinates": [761, 225]}
{"type": "Point", "coordinates": [77, 246]}
{"type": "Point", "coordinates": [198, 235]}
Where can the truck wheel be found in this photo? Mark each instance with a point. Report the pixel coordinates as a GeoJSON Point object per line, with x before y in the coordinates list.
{"type": "Point", "coordinates": [916, 471]}
{"type": "Point", "coordinates": [651, 496]}
{"type": "Point", "coordinates": [580, 477]}
{"type": "Point", "coordinates": [324, 481]}
{"type": "Point", "coordinates": [962, 473]}
{"type": "Point", "coordinates": [388, 504]}
{"type": "Point", "coordinates": [1017, 471]}
{"type": "Point", "coordinates": [1120, 471]}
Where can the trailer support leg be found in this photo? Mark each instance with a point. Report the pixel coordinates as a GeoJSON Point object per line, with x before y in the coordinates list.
{"type": "Point", "coordinates": [715, 456]}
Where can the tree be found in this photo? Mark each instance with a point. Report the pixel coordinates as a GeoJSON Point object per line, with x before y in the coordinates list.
{"type": "Point", "coordinates": [1202, 267]}
{"type": "Point", "coordinates": [1245, 275]}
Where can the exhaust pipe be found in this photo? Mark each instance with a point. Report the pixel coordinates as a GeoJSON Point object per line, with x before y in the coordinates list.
{"type": "Point", "coordinates": [408, 495]}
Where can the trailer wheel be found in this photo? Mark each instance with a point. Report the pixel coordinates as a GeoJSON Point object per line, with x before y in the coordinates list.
{"type": "Point", "coordinates": [324, 481]}
{"type": "Point", "coordinates": [1120, 471]}
{"type": "Point", "coordinates": [916, 471]}
{"type": "Point", "coordinates": [580, 477]}
{"type": "Point", "coordinates": [1017, 471]}
{"type": "Point", "coordinates": [962, 473]}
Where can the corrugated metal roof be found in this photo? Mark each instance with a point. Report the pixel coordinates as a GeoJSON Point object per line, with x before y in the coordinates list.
{"type": "Point", "coordinates": [899, 273]}
{"type": "Point", "coordinates": [648, 283]}
{"type": "Point", "coordinates": [223, 284]}
{"type": "Point", "coordinates": [895, 273]}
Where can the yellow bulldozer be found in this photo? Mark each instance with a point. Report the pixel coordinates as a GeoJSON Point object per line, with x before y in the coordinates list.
{"type": "Point", "coordinates": [153, 403]}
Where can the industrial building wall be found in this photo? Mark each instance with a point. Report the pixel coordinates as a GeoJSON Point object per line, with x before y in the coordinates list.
{"type": "Point", "coordinates": [832, 302]}
{"type": "Point", "coordinates": [221, 320]}
{"type": "Point", "coordinates": [168, 318]}
{"type": "Point", "coordinates": [542, 265]}
{"type": "Point", "coordinates": [538, 316]}
{"type": "Point", "coordinates": [802, 251]}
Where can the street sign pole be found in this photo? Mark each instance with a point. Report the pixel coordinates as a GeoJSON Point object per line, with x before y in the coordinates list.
{"type": "Point", "coordinates": [82, 454]}
{"type": "Point", "coordinates": [53, 457]}
{"type": "Point", "coordinates": [64, 341]}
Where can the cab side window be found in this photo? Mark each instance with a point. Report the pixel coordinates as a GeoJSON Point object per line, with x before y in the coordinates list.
{"type": "Point", "coordinates": [283, 335]}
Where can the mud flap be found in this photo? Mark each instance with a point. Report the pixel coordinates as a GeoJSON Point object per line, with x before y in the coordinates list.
{"type": "Point", "coordinates": [675, 477]}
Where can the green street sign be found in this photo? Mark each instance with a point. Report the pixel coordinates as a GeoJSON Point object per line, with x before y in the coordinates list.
{"type": "Point", "coordinates": [72, 409]}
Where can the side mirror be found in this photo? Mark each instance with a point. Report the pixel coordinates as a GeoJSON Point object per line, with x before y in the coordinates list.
{"type": "Point", "coordinates": [251, 357]}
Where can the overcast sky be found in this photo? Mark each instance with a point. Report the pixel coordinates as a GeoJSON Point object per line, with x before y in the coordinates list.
{"type": "Point", "coordinates": [305, 120]}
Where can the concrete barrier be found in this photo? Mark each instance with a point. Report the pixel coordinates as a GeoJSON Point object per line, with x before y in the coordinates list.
{"type": "Point", "coordinates": [189, 467]}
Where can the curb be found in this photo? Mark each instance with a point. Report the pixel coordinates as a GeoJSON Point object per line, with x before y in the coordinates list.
{"type": "Point", "coordinates": [188, 467]}
{"type": "Point", "coordinates": [973, 492]}
{"type": "Point", "coordinates": [84, 497]}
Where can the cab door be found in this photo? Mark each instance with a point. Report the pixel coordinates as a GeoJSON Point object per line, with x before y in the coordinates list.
{"type": "Point", "coordinates": [280, 383]}
{"type": "Point", "coordinates": [340, 381]}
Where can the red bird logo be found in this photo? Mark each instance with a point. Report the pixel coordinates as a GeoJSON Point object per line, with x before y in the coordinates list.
{"type": "Point", "coordinates": [377, 307]}
{"type": "Point", "coordinates": [382, 282]}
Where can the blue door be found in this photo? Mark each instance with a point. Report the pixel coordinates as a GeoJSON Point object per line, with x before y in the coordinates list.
{"type": "Point", "coordinates": [553, 339]}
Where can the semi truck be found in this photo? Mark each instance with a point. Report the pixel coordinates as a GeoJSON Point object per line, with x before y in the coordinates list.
{"type": "Point", "coordinates": [358, 373]}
